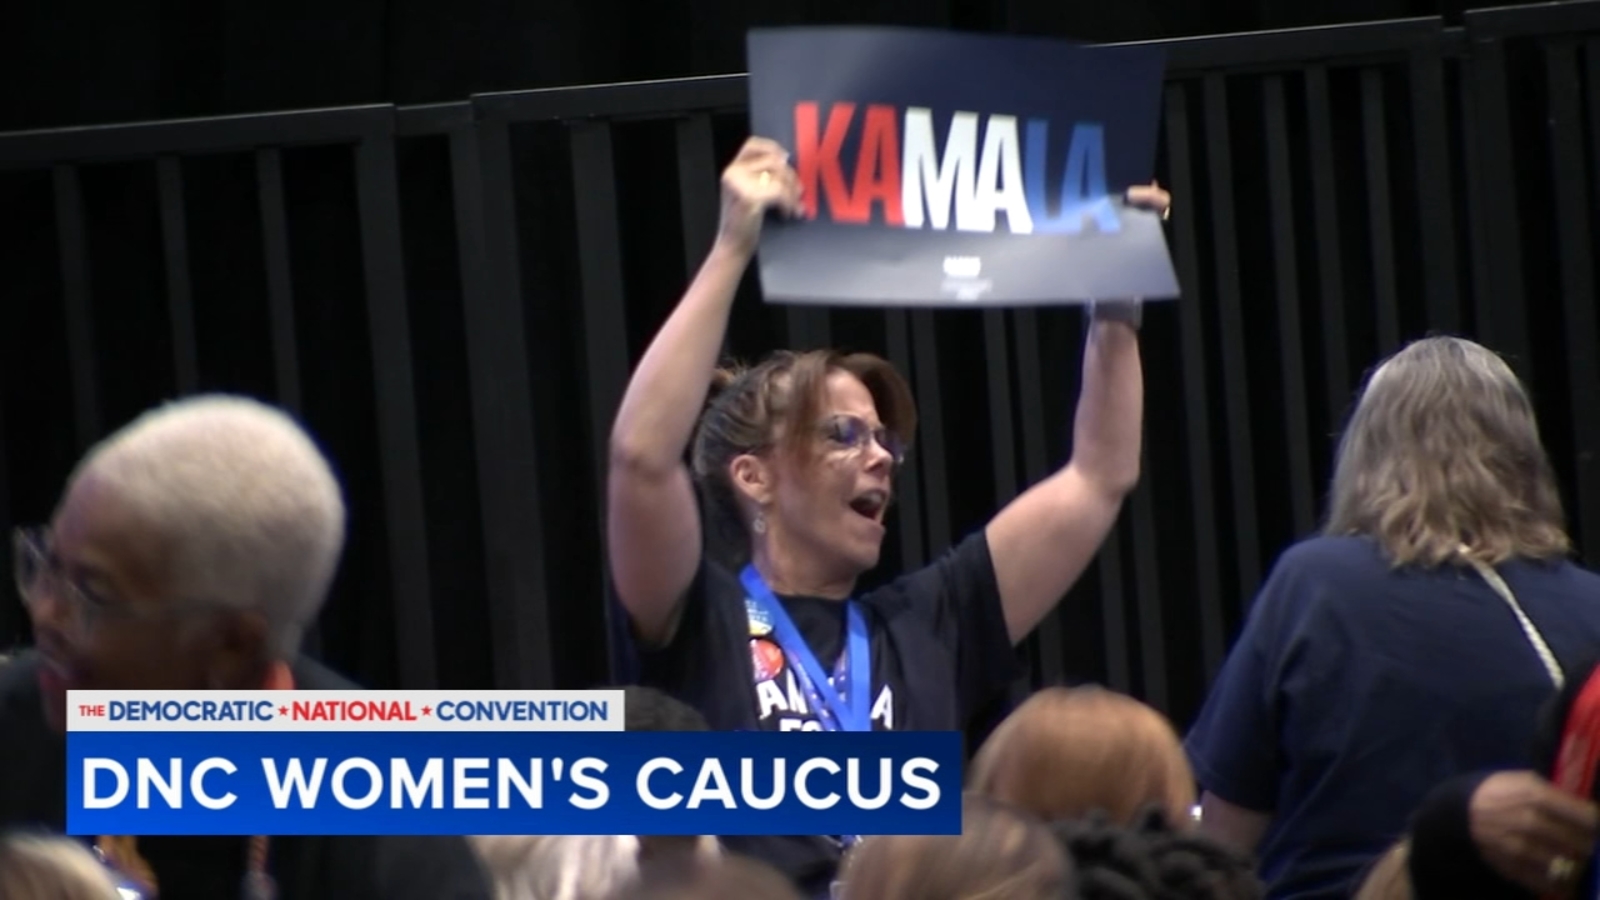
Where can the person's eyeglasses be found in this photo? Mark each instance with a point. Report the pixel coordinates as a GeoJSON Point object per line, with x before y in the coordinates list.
{"type": "Point", "coordinates": [855, 433]}
{"type": "Point", "coordinates": [40, 574]}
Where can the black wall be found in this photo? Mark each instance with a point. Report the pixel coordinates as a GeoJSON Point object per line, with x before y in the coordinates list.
{"type": "Point", "coordinates": [451, 296]}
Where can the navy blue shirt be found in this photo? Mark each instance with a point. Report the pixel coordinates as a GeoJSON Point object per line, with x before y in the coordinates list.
{"type": "Point", "coordinates": [940, 652]}
{"type": "Point", "coordinates": [1355, 689]}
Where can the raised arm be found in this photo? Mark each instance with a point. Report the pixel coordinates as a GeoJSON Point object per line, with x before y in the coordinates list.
{"type": "Point", "coordinates": [652, 521]}
{"type": "Point", "coordinates": [1043, 540]}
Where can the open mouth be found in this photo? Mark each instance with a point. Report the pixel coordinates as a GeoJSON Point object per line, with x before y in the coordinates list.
{"type": "Point", "coordinates": [871, 504]}
{"type": "Point", "coordinates": [55, 676]}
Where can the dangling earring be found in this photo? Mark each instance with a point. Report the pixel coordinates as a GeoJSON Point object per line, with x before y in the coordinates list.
{"type": "Point", "coordinates": [759, 525]}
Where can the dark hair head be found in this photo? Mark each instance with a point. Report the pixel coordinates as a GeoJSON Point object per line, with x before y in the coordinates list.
{"type": "Point", "coordinates": [1152, 860]}
{"type": "Point", "coordinates": [771, 405]}
{"type": "Point", "coordinates": [647, 709]}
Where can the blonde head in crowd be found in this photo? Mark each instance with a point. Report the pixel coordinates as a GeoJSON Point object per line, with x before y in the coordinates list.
{"type": "Point", "coordinates": [727, 878]}
{"type": "Point", "coordinates": [1067, 752]}
{"type": "Point", "coordinates": [565, 867]}
{"type": "Point", "coordinates": [51, 868]}
{"type": "Point", "coordinates": [1001, 854]}
{"type": "Point", "coordinates": [1443, 450]}
{"type": "Point", "coordinates": [238, 490]}
{"type": "Point", "coordinates": [1388, 879]}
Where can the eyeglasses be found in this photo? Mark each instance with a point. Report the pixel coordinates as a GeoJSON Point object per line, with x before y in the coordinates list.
{"type": "Point", "coordinates": [39, 574]}
{"type": "Point", "coordinates": [854, 433]}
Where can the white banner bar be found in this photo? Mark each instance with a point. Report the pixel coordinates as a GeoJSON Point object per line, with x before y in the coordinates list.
{"type": "Point", "coordinates": [397, 711]}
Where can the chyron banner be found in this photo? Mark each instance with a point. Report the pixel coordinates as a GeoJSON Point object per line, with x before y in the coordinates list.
{"type": "Point", "coordinates": [944, 169]}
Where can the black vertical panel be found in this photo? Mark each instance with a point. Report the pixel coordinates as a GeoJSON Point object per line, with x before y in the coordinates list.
{"type": "Point", "coordinates": [1002, 435]}
{"type": "Point", "coordinates": [400, 458]}
{"type": "Point", "coordinates": [1571, 182]}
{"type": "Point", "coordinates": [605, 333]}
{"type": "Point", "coordinates": [1504, 321]}
{"type": "Point", "coordinates": [1330, 258]}
{"type": "Point", "coordinates": [1002, 429]}
{"type": "Point", "coordinates": [1035, 466]}
{"type": "Point", "coordinates": [605, 330]}
{"type": "Point", "coordinates": [1291, 352]}
{"type": "Point", "coordinates": [502, 405]}
{"type": "Point", "coordinates": [1236, 395]}
{"type": "Point", "coordinates": [913, 549]}
{"type": "Point", "coordinates": [1030, 395]}
{"type": "Point", "coordinates": [180, 296]}
{"type": "Point", "coordinates": [1147, 580]}
{"type": "Point", "coordinates": [1114, 612]}
{"type": "Point", "coordinates": [808, 327]}
{"type": "Point", "coordinates": [1380, 226]}
{"type": "Point", "coordinates": [1591, 455]}
{"type": "Point", "coordinates": [1478, 233]}
{"type": "Point", "coordinates": [1192, 336]}
{"type": "Point", "coordinates": [74, 250]}
{"type": "Point", "coordinates": [280, 284]}
{"type": "Point", "coordinates": [697, 188]}
{"type": "Point", "coordinates": [1431, 137]}
{"type": "Point", "coordinates": [11, 614]}
{"type": "Point", "coordinates": [930, 406]}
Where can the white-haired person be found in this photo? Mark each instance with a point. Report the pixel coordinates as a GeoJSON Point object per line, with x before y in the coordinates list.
{"type": "Point", "coordinates": [593, 867]}
{"type": "Point", "coordinates": [190, 551]}
{"type": "Point", "coordinates": [797, 459]}
{"type": "Point", "coordinates": [1416, 639]}
{"type": "Point", "coordinates": [48, 867]}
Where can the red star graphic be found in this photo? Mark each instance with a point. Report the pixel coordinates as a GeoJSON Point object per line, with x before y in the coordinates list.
{"type": "Point", "coordinates": [283, 710]}
{"type": "Point", "coordinates": [427, 710]}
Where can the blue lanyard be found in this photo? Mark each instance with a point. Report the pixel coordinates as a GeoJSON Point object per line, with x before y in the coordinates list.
{"type": "Point", "coordinates": [845, 703]}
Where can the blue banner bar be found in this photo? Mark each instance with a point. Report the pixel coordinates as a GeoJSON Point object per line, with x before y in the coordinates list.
{"type": "Point", "coordinates": [458, 783]}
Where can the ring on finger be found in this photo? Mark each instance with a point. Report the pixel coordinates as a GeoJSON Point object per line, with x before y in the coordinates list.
{"type": "Point", "coordinates": [1561, 869]}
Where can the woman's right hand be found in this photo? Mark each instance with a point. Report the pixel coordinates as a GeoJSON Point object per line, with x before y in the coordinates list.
{"type": "Point", "coordinates": [757, 180]}
{"type": "Point", "coordinates": [1522, 824]}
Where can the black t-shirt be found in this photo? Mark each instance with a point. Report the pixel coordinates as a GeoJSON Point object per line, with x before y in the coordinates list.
{"type": "Point", "coordinates": [940, 651]}
{"type": "Point", "coordinates": [33, 796]}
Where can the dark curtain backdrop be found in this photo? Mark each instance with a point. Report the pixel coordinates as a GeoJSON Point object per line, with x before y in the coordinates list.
{"type": "Point", "coordinates": [68, 62]}
{"type": "Point", "coordinates": [250, 215]}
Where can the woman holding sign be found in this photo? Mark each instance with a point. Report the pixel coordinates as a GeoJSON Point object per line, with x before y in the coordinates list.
{"type": "Point", "coordinates": [800, 451]}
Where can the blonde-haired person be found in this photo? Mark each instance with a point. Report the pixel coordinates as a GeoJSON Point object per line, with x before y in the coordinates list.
{"type": "Point", "coordinates": [34, 867]}
{"type": "Point", "coordinates": [576, 867]}
{"type": "Point", "coordinates": [728, 878]}
{"type": "Point", "coordinates": [1068, 752]}
{"type": "Point", "coordinates": [1414, 640]}
{"type": "Point", "coordinates": [1002, 853]}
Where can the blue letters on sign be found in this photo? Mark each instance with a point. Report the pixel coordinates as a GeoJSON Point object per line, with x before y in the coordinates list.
{"type": "Point", "coordinates": [1083, 186]}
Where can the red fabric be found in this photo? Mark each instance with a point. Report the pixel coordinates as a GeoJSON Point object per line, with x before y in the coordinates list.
{"type": "Point", "coordinates": [1580, 742]}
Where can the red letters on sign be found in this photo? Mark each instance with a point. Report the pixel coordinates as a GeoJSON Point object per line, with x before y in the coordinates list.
{"type": "Point", "coordinates": [819, 159]}
{"type": "Point", "coordinates": [877, 170]}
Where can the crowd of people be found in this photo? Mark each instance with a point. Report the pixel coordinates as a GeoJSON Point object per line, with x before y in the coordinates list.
{"type": "Point", "coordinates": [1392, 721]}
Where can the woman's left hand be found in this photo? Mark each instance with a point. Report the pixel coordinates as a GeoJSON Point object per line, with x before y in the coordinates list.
{"type": "Point", "coordinates": [1151, 196]}
{"type": "Point", "coordinates": [1532, 832]}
